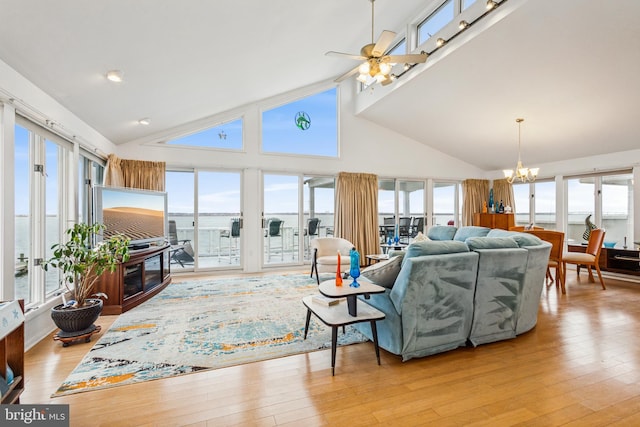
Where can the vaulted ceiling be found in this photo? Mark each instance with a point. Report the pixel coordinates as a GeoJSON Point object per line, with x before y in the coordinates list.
{"type": "Point", "coordinates": [568, 67]}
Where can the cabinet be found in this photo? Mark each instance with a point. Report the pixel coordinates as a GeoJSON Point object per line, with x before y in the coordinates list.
{"type": "Point", "coordinates": [494, 220]}
{"type": "Point", "coordinates": [145, 274]}
{"type": "Point", "coordinates": [12, 349]}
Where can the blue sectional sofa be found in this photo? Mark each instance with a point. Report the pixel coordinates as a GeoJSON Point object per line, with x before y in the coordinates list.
{"type": "Point", "coordinates": [481, 287]}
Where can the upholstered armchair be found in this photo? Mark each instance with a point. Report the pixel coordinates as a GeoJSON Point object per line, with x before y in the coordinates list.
{"type": "Point", "coordinates": [325, 255]}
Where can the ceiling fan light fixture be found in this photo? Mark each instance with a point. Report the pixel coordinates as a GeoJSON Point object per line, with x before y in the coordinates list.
{"type": "Point", "coordinates": [362, 78]}
{"type": "Point", "coordinates": [364, 68]}
{"type": "Point", "coordinates": [385, 68]}
{"type": "Point", "coordinates": [115, 76]}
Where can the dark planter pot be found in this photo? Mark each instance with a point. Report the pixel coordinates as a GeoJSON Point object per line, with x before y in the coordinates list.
{"type": "Point", "coordinates": [75, 320]}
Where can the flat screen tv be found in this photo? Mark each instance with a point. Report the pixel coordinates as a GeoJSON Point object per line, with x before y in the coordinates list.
{"type": "Point", "coordinates": [140, 215]}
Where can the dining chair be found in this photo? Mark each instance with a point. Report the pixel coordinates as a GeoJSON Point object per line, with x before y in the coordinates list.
{"type": "Point", "coordinates": [404, 228]}
{"type": "Point", "coordinates": [556, 238]}
{"type": "Point", "coordinates": [417, 225]}
{"type": "Point", "coordinates": [590, 258]}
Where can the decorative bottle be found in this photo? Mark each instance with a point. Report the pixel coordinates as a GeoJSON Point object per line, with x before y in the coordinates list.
{"type": "Point", "coordinates": [355, 267]}
{"type": "Point", "coordinates": [501, 207]}
{"type": "Point", "coordinates": [339, 272]}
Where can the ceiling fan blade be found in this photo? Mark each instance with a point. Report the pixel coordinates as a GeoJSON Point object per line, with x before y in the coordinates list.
{"type": "Point", "coordinates": [346, 55]}
{"type": "Point", "coordinates": [347, 75]}
{"type": "Point", "coordinates": [383, 43]}
{"type": "Point", "coordinates": [415, 58]}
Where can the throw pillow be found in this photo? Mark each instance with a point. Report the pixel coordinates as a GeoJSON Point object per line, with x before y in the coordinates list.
{"type": "Point", "coordinates": [420, 237]}
{"type": "Point", "coordinates": [384, 273]}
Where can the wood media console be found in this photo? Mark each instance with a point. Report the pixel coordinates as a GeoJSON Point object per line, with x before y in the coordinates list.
{"type": "Point", "coordinates": [145, 274]}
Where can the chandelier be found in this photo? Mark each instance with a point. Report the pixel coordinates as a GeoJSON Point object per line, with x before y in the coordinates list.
{"type": "Point", "coordinates": [521, 173]}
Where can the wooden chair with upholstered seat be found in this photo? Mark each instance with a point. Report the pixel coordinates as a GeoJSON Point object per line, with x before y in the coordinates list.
{"type": "Point", "coordinates": [590, 258]}
{"type": "Point", "coordinates": [556, 238]}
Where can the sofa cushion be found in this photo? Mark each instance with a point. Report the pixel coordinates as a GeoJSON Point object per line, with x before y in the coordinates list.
{"type": "Point", "coordinates": [464, 233]}
{"type": "Point", "coordinates": [526, 239]}
{"type": "Point", "coordinates": [523, 239]}
{"type": "Point", "coordinates": [384, 273]}
{"type": "Point", "coordinates": [434, 247]}
{"type": "Point", "coordinates": [499, 232]}
{"type": "Point", "coordinates": [441, 232]}
{"type": "Point", "coordinates": [491, 243]}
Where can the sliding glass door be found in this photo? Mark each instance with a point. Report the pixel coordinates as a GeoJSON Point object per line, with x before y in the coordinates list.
{"type": "Point", "coordinates": [281, 219]}
{"type": "Point", "coordinates": [205, 219]}
{"type": "Point", "coordinates": [219, 218]}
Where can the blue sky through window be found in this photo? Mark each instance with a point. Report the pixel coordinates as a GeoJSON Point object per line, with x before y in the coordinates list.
{"type": "Point", "coordinates": [227, 135]}
{"type": "Point", "coordinates": [281, 135]}
{"type": "Point", "coordinates": [435, 22]}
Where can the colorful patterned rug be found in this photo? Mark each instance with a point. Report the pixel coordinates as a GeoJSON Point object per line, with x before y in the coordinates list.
{"type": "Point", "coordinates": [200, 325]}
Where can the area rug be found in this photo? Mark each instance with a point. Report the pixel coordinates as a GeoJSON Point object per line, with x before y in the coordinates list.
{"type": "Point", "coordinates": [200, 325]}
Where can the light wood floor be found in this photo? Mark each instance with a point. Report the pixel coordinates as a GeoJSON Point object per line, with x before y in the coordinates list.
{"type": "Point", "coordinates": [579, 366]}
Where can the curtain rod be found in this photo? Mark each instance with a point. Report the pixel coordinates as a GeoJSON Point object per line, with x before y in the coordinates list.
{"type": "Point", "coordinates": [38, 117]}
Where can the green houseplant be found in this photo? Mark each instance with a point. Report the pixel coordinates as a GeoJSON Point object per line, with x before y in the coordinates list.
{"type": "Point", "coordinates": [81, 265]}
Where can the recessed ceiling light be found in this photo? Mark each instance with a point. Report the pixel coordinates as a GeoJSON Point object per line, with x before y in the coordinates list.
{"type": "Point", "coordinates": [115, 76]}
{"type": "Point", "coordinates": [146, 121]}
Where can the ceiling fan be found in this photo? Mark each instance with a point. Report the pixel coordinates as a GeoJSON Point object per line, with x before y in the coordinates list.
{"type": "Point", "coordinates": [376, 64]}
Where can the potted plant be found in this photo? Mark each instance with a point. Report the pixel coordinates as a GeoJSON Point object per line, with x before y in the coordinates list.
{"type": "Point", "coordinates": [81, 265]}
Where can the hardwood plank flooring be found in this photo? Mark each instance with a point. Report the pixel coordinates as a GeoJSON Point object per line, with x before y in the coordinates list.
{"type": "Point", "coordinates": [579, 366]}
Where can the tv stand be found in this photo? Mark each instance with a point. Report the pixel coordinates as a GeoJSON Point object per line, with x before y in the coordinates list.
{"type": "Point", "coordinates": [135, 281]}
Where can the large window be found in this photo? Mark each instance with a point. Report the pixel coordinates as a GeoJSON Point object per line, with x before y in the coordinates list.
{"type": "Point", "coordinates": [522, 195]}
{"type": "Point", "coordinates": [608, 199]}
{"type": "Point", "coordinates": [545, 204]}
{"type": "Point", "coordinates": [40, 208]}
{"type": "Point", "coordinates": [308, 126]}
{"type": "Point", "coordinates": [617, 202]}
{"type": "Point", "coordinates": [580, 206]}
{"type": "Point", "coordinates": [445, 195]}
{"type": "Point", "coordinates": [225, 136]}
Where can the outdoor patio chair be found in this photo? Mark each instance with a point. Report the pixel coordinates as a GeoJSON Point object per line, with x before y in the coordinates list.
{"type": "Point", "coordinates": [181, 250]}
{"type": "Point", "coordinates": [233, 234]}
{"type": "Point", "coordinates": [274, 229]}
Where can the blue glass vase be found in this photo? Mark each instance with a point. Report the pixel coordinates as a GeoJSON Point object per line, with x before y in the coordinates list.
{"type": "Point", "coordinates": [354, 270]}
